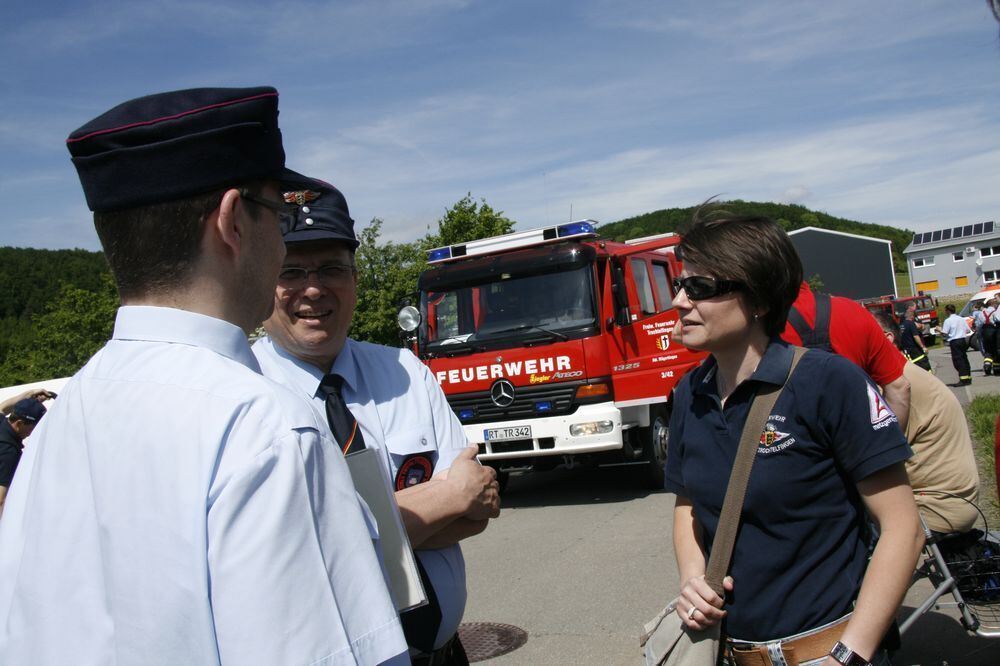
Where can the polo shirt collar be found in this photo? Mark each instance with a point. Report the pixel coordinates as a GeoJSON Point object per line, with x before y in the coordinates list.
{"type": "Point", "coordinates": [159, 324]}
{"type": "Point", "coordinates": [772, 369]}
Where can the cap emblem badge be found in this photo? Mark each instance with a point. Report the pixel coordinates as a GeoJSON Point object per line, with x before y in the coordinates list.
{"type": "Point", "coordinates": [301, 197]}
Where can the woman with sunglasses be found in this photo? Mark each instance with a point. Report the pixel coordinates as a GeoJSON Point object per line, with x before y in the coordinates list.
{"type": "Point", "coordinates": [832, 452]}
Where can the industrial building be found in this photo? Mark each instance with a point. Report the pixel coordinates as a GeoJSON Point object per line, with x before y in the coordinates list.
{"type": "Point", "coordinates": [956, 260]}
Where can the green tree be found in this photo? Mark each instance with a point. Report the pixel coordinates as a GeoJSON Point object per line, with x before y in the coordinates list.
{"type": "Point", "coordinates": [815, 283]}
{"type": "Point", "coordinates": [388, 272]}
{"type": "Point", "coordinates": [66, 334]}
{"type": "Point", "coordinates": [467, 220]}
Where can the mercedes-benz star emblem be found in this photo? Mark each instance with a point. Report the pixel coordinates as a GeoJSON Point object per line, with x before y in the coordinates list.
{"type": "Point", "coordinates": [502, 393]}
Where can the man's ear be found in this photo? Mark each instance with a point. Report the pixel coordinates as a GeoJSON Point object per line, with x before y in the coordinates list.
{"type": "Point", "coordinates": [227, 227]}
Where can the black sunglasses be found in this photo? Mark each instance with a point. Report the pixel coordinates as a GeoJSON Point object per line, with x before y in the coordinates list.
{"type": "Point", "coordinates": [701, 287]}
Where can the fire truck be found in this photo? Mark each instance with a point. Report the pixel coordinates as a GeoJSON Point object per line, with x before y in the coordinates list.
{"type": "Point", "coordinates": [554, 346]}
{"type": "Point", "coordinates": [926, 314]}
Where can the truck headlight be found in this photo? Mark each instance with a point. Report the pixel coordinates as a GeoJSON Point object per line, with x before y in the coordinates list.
{"type": "Point", "coordinates": [591, 428]}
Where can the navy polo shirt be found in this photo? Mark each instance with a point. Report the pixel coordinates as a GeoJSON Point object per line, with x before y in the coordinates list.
{"type": "Point", "coordinates": [10, 452]}
{"type": "Point", "coordinates": [800, 553]}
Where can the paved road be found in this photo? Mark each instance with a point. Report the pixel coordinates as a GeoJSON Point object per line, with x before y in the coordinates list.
{"type": "Point", "coordinates": [579, 559]}
{"type": "Point", "coordinates": [981, 384]}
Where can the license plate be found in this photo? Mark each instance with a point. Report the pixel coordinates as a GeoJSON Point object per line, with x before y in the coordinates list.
{"type": "Point", "coordinates": [505, 434]}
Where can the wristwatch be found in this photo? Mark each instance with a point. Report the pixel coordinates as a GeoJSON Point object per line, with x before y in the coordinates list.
{"type": "Point", "coordinates": [847, 656]}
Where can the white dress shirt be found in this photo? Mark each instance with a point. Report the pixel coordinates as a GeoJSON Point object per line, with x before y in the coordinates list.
{"type": "Point", "coordinates": [176, 507]}
{"type": "Point", "coordinates": [402, 411]}
{"type": "Point", "coordinates": [955, 328]}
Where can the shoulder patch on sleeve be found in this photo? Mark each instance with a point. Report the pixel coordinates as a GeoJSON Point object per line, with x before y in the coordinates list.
{"type": "Point", "coordinates": [878, 410]}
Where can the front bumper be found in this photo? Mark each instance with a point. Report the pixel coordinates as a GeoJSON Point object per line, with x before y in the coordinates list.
{"type": "Point", "coordinates": [550, 435]}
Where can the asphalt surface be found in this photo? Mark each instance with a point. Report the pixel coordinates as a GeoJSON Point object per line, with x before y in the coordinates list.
{"type": "Point", "coordinates": [580, 559]}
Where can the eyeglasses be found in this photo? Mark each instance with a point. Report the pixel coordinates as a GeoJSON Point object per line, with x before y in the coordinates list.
{"type": "Point", "coordinates": [701, 287]}
{"type": "Point", "coordinates": [330, 275]}
{"type": "Point", "coordinates": [280, 207]}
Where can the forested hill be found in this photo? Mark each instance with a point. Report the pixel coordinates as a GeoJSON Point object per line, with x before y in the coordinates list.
{"type": "Point", "coordinates": [789, 216]}
{"type": "Point", "coordinates": [47, 303]}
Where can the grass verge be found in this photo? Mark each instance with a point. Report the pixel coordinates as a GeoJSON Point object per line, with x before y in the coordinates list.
{"type": "Point", "coordinates": [982, 415]}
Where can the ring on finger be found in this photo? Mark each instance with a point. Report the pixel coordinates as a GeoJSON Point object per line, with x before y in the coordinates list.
{"type": "Point", "coordinates": [691, 612]}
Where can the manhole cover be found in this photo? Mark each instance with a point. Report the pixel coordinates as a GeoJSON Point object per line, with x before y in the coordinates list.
{"type": "Point", "coordinates": [485, 640]}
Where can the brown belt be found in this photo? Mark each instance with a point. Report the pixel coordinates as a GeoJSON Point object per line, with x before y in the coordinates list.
{"type": "Point", "coordinates": [794, 650]}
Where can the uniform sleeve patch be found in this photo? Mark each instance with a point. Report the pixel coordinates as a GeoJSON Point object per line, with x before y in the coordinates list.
{"type": "Point", "coordinates": [878, 410]}
{"type": "Point", "coordinates": [414, 470]}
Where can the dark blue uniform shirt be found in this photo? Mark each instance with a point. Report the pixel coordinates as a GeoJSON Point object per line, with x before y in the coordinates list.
{"type": "Point", "coordinates": [800, 553]}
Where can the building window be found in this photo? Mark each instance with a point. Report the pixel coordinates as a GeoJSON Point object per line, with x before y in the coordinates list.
{"type": "Point", "coordinates": [991, 277]}
{"type": "Point", "coordinates": [929, 285]}
{"type": "Point", "coordinates": [962, 281]}
{"type": "Point", "coordinates": [990, 251]}
{"type": "Point", "coordinates": [958, 256]}
{"type": "Point", "coordinates": [925, 261]}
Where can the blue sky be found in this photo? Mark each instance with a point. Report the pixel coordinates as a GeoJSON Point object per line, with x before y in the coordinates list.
{"type": "Point", "coordinates": [884, 112]}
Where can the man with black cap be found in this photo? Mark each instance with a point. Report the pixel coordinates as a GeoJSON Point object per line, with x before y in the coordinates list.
{"type": "Point", "coordinates": [180, 508]}
{"type": "Point", "coordinates": [14, 429]}
{"type": "Point", "coordinates": [381, 398]}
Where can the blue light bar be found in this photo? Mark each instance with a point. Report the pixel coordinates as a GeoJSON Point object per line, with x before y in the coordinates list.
{"type": "Point", "coordinates": [575, 229]}
{"type": "Point", "coordinates": [440, 254]}
{"type": "Point", "coordinates": [545, 406]}
{"type": "Point", "coordinates": [466, 414]}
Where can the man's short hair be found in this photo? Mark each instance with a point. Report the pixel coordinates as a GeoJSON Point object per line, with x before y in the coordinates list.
{"type": "Point", "coordinates": [949, 308]}
{"type": "Point", "coordinates": [752, 250]}
{"type": "Point", "coordinates": [885, 320]}
{"type": "Point", "coordinates": [153, 249]}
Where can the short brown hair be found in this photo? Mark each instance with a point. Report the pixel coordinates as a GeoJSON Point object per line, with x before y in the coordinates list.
{"type": "Point", "coordinates": [749, 249]}
{"type": "Point", "coordinates": [153, 249]}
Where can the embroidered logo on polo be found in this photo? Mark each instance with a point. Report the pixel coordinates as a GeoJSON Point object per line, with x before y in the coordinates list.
{"type": "Point", "coordinates": [414, 470]}
{"type": "Point", "coordinates": [878, 411]}
{"type": "Point", "coordinates": [773, 440]}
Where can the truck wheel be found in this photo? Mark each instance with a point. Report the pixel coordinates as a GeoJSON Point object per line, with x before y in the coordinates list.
{"type": "Point", "coordinates": [654, 444]}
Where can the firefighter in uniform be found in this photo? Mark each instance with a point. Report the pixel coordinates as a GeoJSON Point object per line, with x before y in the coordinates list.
{"type": "Point", "coordinates": [988, 334]}
{"type": "Point", "coordinates": [381, 398]}
{"type": "Point", "coordinates": [912, 342]}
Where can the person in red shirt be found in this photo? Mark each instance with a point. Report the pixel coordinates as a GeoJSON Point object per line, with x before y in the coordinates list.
{"type": "Point", "coordinates": [852, 332]}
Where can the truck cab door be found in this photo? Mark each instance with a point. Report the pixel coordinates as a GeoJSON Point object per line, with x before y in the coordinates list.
{"type": "Point", "coordinates": [646, 362]}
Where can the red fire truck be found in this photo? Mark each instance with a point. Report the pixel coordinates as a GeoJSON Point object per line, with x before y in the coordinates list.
{"type": "Point", "coordinates": [926, 314]}
{"type": "Point", "coordinates": [555, 346]}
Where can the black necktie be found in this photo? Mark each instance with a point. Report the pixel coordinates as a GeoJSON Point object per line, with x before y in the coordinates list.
{"type": "Point", "coordinates": [342, 422]}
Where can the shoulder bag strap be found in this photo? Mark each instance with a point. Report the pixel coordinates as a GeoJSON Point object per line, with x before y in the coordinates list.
{"type": "Point", "coordinates": [800, 326]}
{"type": "Point", "coordinates": [732, 505]}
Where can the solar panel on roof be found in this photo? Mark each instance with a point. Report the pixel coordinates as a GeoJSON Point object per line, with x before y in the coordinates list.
{"type": "Point", "coordinates": [977, 229]}
{"type": "Point", "coordinates": [967, 230]}
{"type": "Point", "coordinates": [988, 227]}
{"type": "Point", "coordinates": [936, 237]}
{"type": "Point", "coordinates": [946, 234]}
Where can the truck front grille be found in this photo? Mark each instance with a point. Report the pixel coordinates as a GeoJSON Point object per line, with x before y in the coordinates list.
{"type": "Point", "coordinates": [528, 401]}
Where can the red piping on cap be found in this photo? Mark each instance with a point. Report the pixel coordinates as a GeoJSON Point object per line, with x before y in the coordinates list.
{"type": "Point", "coordinates": [176, 115]}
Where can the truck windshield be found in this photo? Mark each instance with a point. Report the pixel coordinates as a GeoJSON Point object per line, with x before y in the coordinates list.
{"type": "Point", "coordinates": [542, 307]}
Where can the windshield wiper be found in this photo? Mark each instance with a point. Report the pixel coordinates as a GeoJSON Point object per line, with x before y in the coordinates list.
{"type": "Point", "coordinates": [525, 327]}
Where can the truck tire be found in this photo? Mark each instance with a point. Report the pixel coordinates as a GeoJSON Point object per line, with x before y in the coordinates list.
{"type": "Point", "coordinates": [654, 444]}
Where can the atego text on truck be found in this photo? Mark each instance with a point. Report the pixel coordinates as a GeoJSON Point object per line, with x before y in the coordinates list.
{"type": "Point", "coordinates": [554, 346]}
